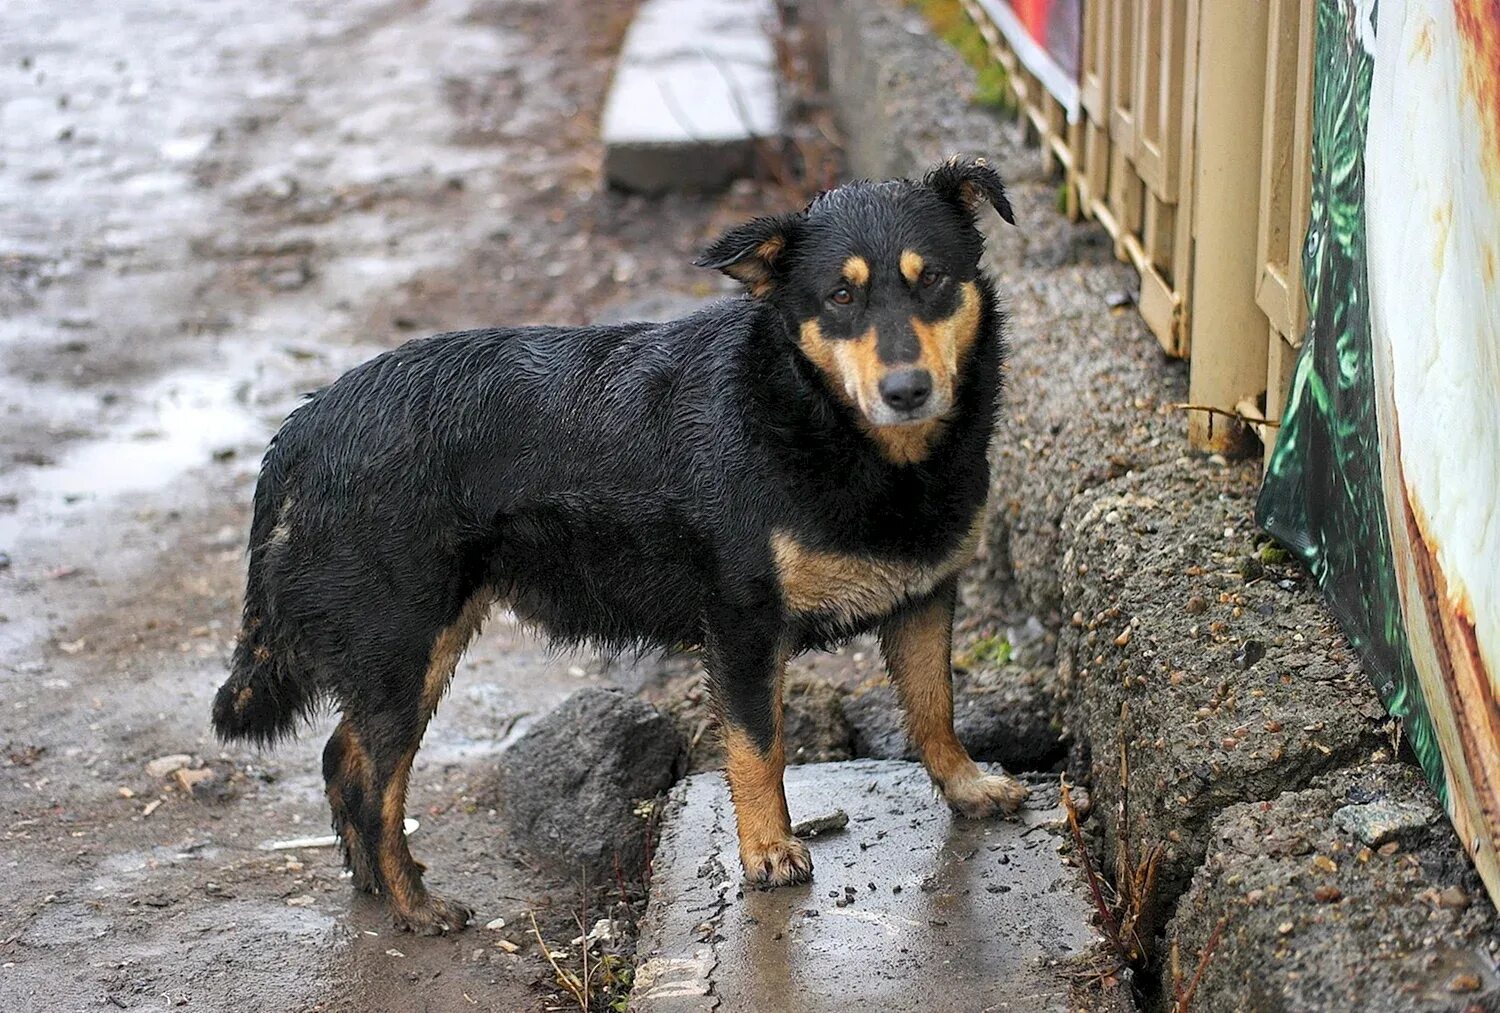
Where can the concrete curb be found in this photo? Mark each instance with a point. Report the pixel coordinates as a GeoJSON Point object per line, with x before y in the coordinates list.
{"type": "Point", "coordinates": [694, 92]}
{"type": "Point", "coordinates": [911, 908]}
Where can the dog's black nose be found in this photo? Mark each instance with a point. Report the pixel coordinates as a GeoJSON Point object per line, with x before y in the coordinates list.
{"type": "Point", "coordinates": [906, 390]}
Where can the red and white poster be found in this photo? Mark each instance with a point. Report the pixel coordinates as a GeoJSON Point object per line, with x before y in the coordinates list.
{"type": "Point", "coordinates": [1046, 36]}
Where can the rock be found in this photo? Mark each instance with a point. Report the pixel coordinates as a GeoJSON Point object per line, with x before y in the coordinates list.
{"type": "Point", "coordinates": [828, 823]}
{"type": "Point", "coordinates": [1377, 822]}
{"type": "Point", "coordinates": [573, 784]}
{"type": "Point", "coordinates": [813, 722]}
{"type": "Point", "coordinates": [164, 766]}
{"type": "Point", "coordinates": [1010, 722]}
{"type": "Point", "coordinates": [1206, 704]}
{"type": "Point", "coordinates": [1348, 928]}
{"type": "Point", "coordinates": [189, 780]}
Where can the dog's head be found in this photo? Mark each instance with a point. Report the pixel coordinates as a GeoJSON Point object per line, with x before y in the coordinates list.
{"type": "Point", "coordinates": [879, 282]}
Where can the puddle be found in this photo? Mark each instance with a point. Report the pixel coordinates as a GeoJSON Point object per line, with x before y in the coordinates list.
{"type": "Point", "coordinates": [183, 427]}
{"type": "Point", "coordinates": [178, 424]}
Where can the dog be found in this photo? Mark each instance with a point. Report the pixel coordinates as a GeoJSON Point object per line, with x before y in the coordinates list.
{"type": "Point", "coordinates": [774, 473]}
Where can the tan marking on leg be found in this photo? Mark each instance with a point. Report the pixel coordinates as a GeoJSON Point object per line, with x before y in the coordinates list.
{"type": "Point", "coordinates": [768, 851]}
{"type": "Point", "coordinates": [413, 907]}
{"type": "Point", "coordinates": [398, 870]}
{"type": "Point", "coordinates": [448, 647]}
{"type": "Point", "coordinates": [354, 769]}
{"type": "Point", "coordinates": [857, 271]}
{"type": "Point", "coordinates": [918, 647]}
{"type": "Point", "coordinates": [912, 266]}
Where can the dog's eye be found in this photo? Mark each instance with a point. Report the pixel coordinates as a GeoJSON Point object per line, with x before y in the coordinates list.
{"type": "Point", "coordinates": [841, 297]}
{"type": "Point", "coordinates": [930, 278]}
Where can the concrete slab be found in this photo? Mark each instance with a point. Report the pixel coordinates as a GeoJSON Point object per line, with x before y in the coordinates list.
{"type": "Point", "coordinates": [911, 908]}
{"type": "Point", "coordinates": [694, 90]}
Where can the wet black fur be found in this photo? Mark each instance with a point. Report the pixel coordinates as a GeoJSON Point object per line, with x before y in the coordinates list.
{"type": "Point", "coordinates": [616, 485]}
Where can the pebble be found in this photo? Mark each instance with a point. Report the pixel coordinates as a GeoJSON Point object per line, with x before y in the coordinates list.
{"type": "Point", "coordinates": [1196, 605]}
{"type": "Point", "coordinates": [162, 766]}
{"type": "Point", "coordinates": [190, 779]}
{"type": "Point", "coordinates": [1464, 983]}
{"type": "Point", "coordinates": [1376, 823]}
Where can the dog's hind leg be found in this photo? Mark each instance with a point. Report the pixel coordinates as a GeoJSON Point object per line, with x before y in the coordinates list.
{"type": "Point", "coordinates": [745, 668]}
{"type": "Point", "coordinates": [368, 763]}
{"type": "Point", "coordinates": [347, 775]}
{"type": "Point", "coordinates": [918, 647]}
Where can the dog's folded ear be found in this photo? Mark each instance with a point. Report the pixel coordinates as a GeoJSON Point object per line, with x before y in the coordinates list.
{"type": "Point", "coordinates": [965, 182]}
{"type": "Point", "coordinates": [753, 252]}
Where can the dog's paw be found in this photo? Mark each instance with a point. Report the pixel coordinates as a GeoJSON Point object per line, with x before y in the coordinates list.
{"type": "Point", "coordinates": [434, 916]}
{"type": "Point", "coordinates": [778, 863]}
{"type": "Point", "coordinates": [978, 797]}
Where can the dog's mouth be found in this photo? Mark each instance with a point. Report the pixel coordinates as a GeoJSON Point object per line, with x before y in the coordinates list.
{"type": "Point", "coordinates": [882, 416]}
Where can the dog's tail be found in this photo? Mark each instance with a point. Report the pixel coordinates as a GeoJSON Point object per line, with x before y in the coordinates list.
{"type": "Point", "coordinates": [267, 694]}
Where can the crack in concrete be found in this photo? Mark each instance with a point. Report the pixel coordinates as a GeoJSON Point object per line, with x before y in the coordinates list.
{"type": "Point", "coordinates": [722, 884]}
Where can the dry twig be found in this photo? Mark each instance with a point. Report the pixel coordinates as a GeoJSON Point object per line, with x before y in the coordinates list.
{"type": "Point", "coordinates": [1182, 998]}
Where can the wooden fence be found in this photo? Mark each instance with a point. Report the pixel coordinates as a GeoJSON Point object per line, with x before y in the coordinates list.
{"type": "Point", "coordinates": [1191, 147]}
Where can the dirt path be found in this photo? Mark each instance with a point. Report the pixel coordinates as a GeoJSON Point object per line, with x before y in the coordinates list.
{"type": "Point", "coordinates": [206, 209]}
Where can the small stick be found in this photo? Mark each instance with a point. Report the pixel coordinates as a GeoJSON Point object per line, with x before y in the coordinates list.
{"type": "Point", "coordinates": [563, 978]}
{"type": "Point", "coordinates": [1251, 419]}
{"type": "Point", "coordinates": [1088, 871]}
{"type": "Point", "coordinates": [825, 824]}
{"type": "Point", "coordinates": [1186, 997]}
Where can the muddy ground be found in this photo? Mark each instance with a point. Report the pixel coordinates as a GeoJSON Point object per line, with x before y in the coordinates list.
{"type": "Point", "coordinates": [207, 209]}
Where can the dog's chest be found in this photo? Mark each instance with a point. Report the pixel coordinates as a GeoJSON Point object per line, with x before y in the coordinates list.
{"type": "Point", "coordinates": [855, 587]}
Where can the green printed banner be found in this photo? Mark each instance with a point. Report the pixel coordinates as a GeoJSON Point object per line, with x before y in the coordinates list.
{"type": "Point", "coordinates": [1386, 477]}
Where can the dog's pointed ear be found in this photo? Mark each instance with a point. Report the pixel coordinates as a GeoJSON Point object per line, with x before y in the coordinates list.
{"type": "Point", "coordinates": [965, 182]}
{"type": "Point", "coordinates": [752, 253]}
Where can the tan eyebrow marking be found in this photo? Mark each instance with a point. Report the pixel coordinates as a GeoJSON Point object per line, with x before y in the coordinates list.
{"type": "Point", "coordinates": [857, 271]}
{"type": "Point", "coordinates": [912, 265]}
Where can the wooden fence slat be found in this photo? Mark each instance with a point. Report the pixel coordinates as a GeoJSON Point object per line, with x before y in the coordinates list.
{"type": "Point", "coordinates": [1190, 148]}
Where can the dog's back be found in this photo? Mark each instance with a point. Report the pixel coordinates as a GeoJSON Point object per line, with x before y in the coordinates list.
{"type": "Point", "coordinates": [551, 466]}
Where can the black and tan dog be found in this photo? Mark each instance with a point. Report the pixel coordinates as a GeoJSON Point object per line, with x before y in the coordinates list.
{"type": "Point", "coordinates": [771, 474]}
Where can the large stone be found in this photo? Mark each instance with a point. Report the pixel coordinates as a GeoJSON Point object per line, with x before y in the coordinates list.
{"type": "Point", "coordinates": [694, 93]}
{"type": "Point", "coordinates": [1318, 920]}
{"type": "Point", "coordinates": [911, 908]}
{"type": "Point", "coordinates": [573, 786]}
{"type": "Point", "coordinates": [1008, 718]}
{"type": "Point", "coordinates": [813, 722]}
{"type": "Point", "coordinates": [1223, 688]}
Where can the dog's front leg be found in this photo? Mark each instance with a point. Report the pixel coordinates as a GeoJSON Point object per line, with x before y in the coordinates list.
{"type": "Point", "coordinates": [918, 646]}
{"type": "Point", "coordinates": [745, 660]}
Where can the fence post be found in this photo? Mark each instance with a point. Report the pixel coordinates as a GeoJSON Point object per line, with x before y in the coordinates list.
{"type": "Point", "coordinates": [1228, 329]}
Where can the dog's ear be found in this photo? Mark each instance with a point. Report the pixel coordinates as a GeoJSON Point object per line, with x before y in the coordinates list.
{"type": "Point", "coordinates": [753, 252]}
{"type": "Point", "coordinates": [965, 182]}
